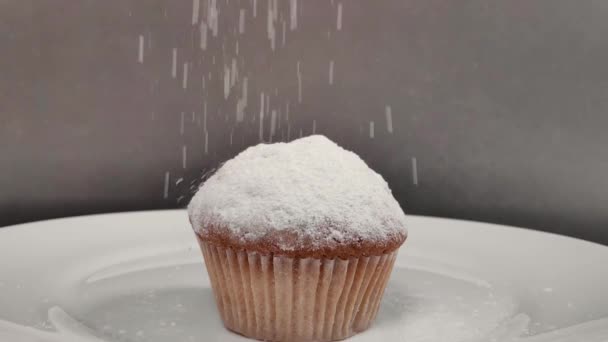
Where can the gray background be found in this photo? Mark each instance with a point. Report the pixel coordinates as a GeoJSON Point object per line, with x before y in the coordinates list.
{"type": "Point", "coordinates": [498, 109]}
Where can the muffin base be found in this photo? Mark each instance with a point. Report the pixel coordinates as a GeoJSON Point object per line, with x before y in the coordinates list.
{"type": "Point", "coordinates": [278, 298]}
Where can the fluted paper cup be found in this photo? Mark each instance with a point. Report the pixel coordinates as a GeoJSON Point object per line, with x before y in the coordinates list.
{"type": "Point", "coordinates": [277, 298]}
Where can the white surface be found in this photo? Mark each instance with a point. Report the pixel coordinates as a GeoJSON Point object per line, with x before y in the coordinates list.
{"type": "Point", "coordinates": [140, 277]}
{"type": "Point", "coordinates": [321, 193]}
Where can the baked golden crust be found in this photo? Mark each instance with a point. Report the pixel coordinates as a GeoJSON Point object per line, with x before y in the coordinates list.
{"type": "Point", "coordinates": [288, 243]}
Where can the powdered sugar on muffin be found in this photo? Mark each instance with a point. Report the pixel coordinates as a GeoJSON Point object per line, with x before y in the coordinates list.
{"type": "Point", "coordinates": [311, 191]}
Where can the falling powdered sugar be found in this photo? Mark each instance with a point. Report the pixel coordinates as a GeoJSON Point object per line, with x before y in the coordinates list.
{"type": "Point", "coordinates": [311, 187]}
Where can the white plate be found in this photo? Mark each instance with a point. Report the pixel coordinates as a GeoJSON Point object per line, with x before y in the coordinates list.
{"type": "Point", "coordinates": [140, 277]}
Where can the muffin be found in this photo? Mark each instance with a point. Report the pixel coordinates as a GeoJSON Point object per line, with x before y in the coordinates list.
{"type": "Point", "coordinates": [299, 240]}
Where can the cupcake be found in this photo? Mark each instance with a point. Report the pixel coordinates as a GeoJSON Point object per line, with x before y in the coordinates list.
{"type": "Point", "coordinates": [299, 240]}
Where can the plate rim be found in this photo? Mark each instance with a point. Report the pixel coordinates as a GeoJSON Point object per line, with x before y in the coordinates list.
{"type": "Point", "coordinates": [409, 217]}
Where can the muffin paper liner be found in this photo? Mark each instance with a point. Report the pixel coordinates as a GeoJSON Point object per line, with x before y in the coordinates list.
{"type": "Point", "coordinates": [277, 298]}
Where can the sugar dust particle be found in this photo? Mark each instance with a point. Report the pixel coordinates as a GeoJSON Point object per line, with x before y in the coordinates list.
{"type": "Point", "coordinates": [205, 116]}
{"type": "Point", "coordinates": [388, 111]}
{"type": "Point", "coordinates": [242, 21]}
{"type": "Point", "coordinates": [203, 35]}
{"type": "Point", "coordinates": [166, 187]}
{"type": "Point", "coordinates": [270, 24]}
{"type": "Point", "coordinates": [234, 74]}
{"type": "Point", "coordinates": [140, 54]}
{"type": "Point", "coordinates": [339, 17]}
{"type": "Point", "coordinates": [261, 129]}
{"type": "Point", "coordinates": [299, 76]}
{"type": "Point", "coordinates": [184, 156]}
{"type": "Point", "coordinates": [284, 29]}
{"type": "Point", "coordinates": [414, 171]}
{"type": "Point", "coordinates": [206, 142]}
{"type": "Point", "coordinates": [182, 124]}
{"type": "Point", "coordinates": [195, 11]}
{"type": "Point", "coordinates": [273, 122]}
{"type": "Point", "coordinates": [244, 91]}
{"type": "Point", "coordinates": [293, 14]}
{"type": "Point", "coordinates": [185, 76]}
{"type": "Point", "coordinates": [267, 104]}
{"type": "Point", "coordinates": [226, 82]}
{"type": "Point", "coordinates": [213, 17]}
{"type": "Point", "coordinates": [174, 63]}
